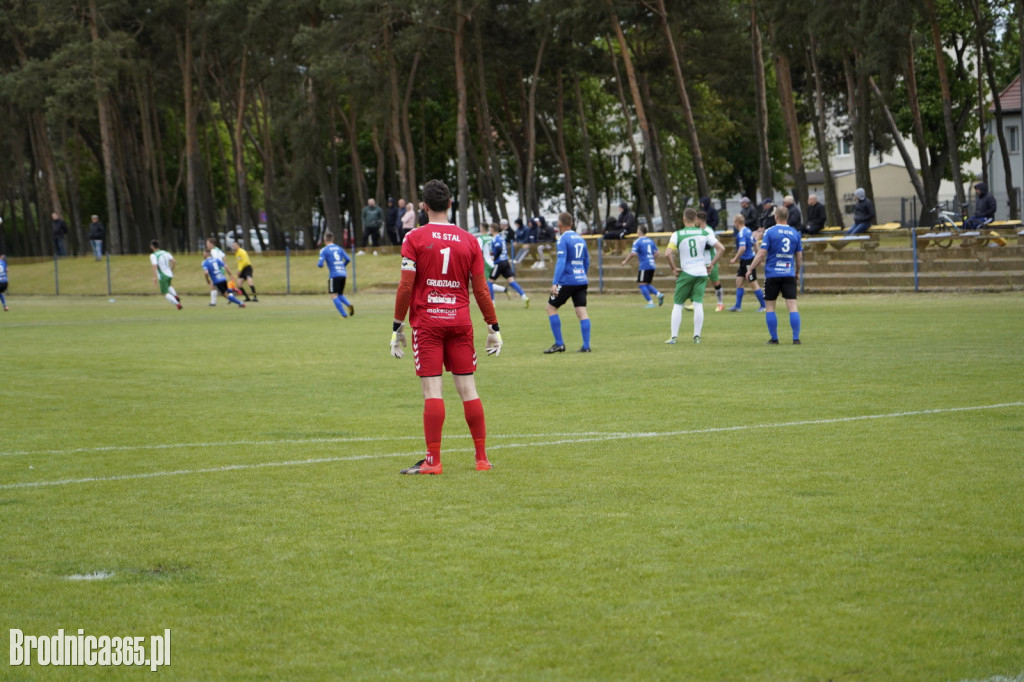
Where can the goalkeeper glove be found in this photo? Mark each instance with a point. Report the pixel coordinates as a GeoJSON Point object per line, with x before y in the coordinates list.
{"type": "Point", "coordinates": [493, 339]}
{"type": "Point", "coordinates": [397, 339]}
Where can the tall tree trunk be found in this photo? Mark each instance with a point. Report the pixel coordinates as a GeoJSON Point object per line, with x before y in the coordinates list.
{"type": "Point", "coordinates": [657, 178]}
{"type": "Point", "coordinates": [490, 184]}
{"type": "Point", "coordinates": [915, 180]}
{"type": "Point", "coordinates": [461, 116]}
{"type": "Point", "coordinates": [563, 156]}
{"type": "Point", "coordinates": [832, 211]}
{"type": "Point", "coordinates": [643, 205]}
{"type": "Point", "coordinates": [784, 83]}
{"type": "Point", "coordinates": [947, 101]}
{"type": "Point", "coordinates": [191, 115]}
{"type": "Point", "coordinates": [927, 181]}
{"type": "Point", "coordinates": [106, 143]}
{"type": "Point", "coordinates": [858, 108]}
{"type": "Point", "coordinates": [533, 205]}
{"type": "Point", "coordinates": [986, 58]}
{"type": "Point", "coordinates": [703, 189]}
{"type": "Point", "coordinates": [359, 187]}
{"type": "Point", "coordinates": [410, 148]}
{"type": "Point", "coordinates": [241, 175]}
{"type": "Point", "coordinates": [761, 96]}
{"type": "Point", "coordinates": [397, 146]}
{"type": "Point", "coordinates": [588, 162]}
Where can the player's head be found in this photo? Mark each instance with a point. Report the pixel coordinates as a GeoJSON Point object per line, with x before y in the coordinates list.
{"type": "Point", "coordinates": [689, 216]}
{"type": "Point", "coordinates": [642, 230]}
{"type": "Point", "coordinates": [437, 196]}
{"type": "Point", "coordinates": [781, 214]}
{"type": "Point", "coordinates": [738, 221]}
{"type": "Point", "coordinates": [154, 245]}
{"type": "Point", "coordinates": [211, 242]}
{"type": "Point", "coordinates": [206, 252]}
{"type": "Point", "coordinates": [328, 237]}
{"type": "Point", "coordinates": [564, 221]}
{"type": "Point", "coordinates": [702, 218]}
{"type": "Point", "coordinates": [494, 228]}
{"type": "Point", "coordinates": [235, 246]}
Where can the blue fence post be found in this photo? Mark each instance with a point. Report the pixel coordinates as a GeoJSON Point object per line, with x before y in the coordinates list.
{"type": "Point", "coordinates": [287, 270]}
{"type": "Point", "coordinates": [600, 264]}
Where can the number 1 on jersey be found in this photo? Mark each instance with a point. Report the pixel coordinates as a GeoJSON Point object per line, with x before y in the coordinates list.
{"type": "Point", "coordinates": [446, 252]}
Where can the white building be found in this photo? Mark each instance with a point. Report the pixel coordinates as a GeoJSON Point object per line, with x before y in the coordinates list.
{"type": "Point", "coordinates": [1013, 124]}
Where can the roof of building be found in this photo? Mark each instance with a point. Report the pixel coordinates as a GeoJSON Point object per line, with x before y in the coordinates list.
{"type": "Point", "coordinates": [1009, 99]}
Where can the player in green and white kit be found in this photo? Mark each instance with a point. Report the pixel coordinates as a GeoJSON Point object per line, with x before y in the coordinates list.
{"type": "Point", "coordinates": [163, 272]}
{"type": "Point", "coordinates": [685, 255]}
{"type": "Point", "coordinates": [485, 240]}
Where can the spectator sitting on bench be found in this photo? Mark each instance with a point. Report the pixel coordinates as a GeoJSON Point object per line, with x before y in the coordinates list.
{"type": "Point", "coordinates": [815, 216]}
{"type": "Point", "coordinates": [863, 213]}
{"type": "Point", "coordinates": [984, 208]}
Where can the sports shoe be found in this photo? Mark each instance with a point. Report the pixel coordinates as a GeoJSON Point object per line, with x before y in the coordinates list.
{"type": "Point", "coordinates": [483, 465]}
{"type": "Point", "coordinates": [796, 342]}
{"type": "Point", "coordinates": [720, 307]}
{"type": "Point", "coordinates": [651, 304]}
{"type": "Point", "coordinates": [6, 309]}
{"type": "Point", "coordinates": [421, 467]}
{"type": "Point", "coordinates": [179, 306]}
{"type": "Point", "coordinates": [734, 309]}
{"type": "Point", "coordinates": [672, 340]}
{"type": "Point", "coordinates": [762, 309]}
{"type": "Point", "coordinates": [687, 306]}
{"type": "Point", "coordinates": [696, 339]}
{"type": "Point", "coordinates": [507, 294]}
{"type": "Point", "coordinates": [213, 305]}
{"type": "Point", "coordinates": [771, 342]}
{"type": "Point", "coordinates": [255, 300]}
{"type": "Point", "coordinates": [584, 349]}
{"type": "Point", "coordinates": [241, 305]}
{"type": "Point", "coordinates": [661, 300]}
{"type": "Point", "coordinates": [555, 348]}
{"type": "Point", "coordinates": [351, 309]}
{"type": "Point", "coordinates": [526, 301]}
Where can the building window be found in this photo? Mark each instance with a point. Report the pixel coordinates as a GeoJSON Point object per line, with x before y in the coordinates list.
{"type": "Point", "coordinates": [842, 147]}
{"type": "Point", "coordinates": [1013, 139]}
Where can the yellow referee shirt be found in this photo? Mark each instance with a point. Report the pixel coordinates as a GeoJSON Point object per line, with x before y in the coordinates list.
{"type": "Point", "coordinates": [242, 258]}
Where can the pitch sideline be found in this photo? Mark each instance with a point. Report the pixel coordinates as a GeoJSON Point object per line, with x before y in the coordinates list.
{"type": "Point", "coordinates": [591, 437]}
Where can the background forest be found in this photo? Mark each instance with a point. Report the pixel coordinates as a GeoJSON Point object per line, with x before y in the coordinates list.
{"type": "Point", "coordinates": [175, 119]}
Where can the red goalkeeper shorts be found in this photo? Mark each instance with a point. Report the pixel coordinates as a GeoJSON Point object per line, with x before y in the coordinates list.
{"type": "Point", "coordinates": [447, 347]}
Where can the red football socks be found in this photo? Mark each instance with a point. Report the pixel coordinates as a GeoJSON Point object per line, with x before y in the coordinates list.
{"type": "Point", "coordinates": [477, 427]}
{"type": "Point", "coordinates": [433, 422]}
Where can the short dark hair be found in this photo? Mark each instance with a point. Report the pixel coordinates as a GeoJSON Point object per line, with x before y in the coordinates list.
{"type": "Point", "coordinates": [701, 215]}
{"type": "Point", "coordinates": [155, 244]}
{"type": "Point", "coordinates": [328, 236]}
{"type": "Point", "coordinates": [436, 195]}
{"type": "Point", "coordinates": [565, 219]}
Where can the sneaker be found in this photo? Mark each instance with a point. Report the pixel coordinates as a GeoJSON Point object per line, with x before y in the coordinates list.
{"type": "Point", "coordinates": [507, 294]}
{"type": "Point", "coordinates": [421, 467]}
{"type": "Point", "coordinates": [762, 309]}
{"type": "Point", "coordinates": [526, 301]}
{"type": "Point", "coordinates": [6, 309]}
{"type": "Point", "coordinates": [720, 307]}
{"type": "Point", "coordinates": [672, 340]}
{"type": "Point", "coordinates": [651, 304]}
{"type": "Point", "coordinates": [351, 309]}
{"type": "Point", "coordinates": [213, 305]}
{"type": "Point", "coordinates": [796, 342]}
{"type": "Point", "coordinates": [483, 465]}
{"type": "Point", "coordinates": [696, 339]}
{"type": "Point", "coordinates": [555, 348]}
{"type": "Point", "coordinates": [734, 309]}
{"type": "Point", "coordinates": [661, 300]}
{"type": "Point", "coordinates": [584, 349]}
{"type": "Point", "coordinates": [687, 306]}
{"type": "Point", "coordinates": [241, 305]}
{"type": "Point", "coordinates": [179, 306]}
{"type": "Point", "coordinates": [255, 300]}
{"type": "Point", "coordinates": [771, 342]}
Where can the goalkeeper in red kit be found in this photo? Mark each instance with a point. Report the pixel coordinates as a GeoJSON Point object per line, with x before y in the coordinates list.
{"type": "Point", "coordinates": [440, 263]}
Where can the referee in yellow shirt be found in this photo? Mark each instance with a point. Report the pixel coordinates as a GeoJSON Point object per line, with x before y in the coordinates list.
{"type": "Point", "coordinates": [244, 271]}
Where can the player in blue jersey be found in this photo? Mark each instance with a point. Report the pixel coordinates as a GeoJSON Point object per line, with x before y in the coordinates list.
{"type": "Point", "coordinates": [336, 260]}
{"type": "Point", "coordinates": [645, 250]}
{"type": "Point", "coordinates": [213, 270]}
{"type": "Point", "coordinates": [3, 281]}
{"type": "Point", "coordinates": [783, 256]}
{"type": "Point", "coordinates": [570, 281]}
{"type": "Point", "coordinates": [746, 249]}
{"type": "Point", "coordinates": [503, 266]}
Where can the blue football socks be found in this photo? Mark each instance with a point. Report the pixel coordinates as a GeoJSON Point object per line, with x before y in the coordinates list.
{"type": "Point", "coordinates": [585, 331]}
{"type": "Point", "coordinates": [556, 329]}
{"type": "Point", "coordinates": [773, 325]}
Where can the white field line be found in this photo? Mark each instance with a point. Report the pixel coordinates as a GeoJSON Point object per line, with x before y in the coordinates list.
{"type": "Point", "coordinates": [575, 440]}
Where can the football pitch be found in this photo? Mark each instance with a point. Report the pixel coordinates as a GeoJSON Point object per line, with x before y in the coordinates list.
{"type": "Point", "coordinates": [848, 509]}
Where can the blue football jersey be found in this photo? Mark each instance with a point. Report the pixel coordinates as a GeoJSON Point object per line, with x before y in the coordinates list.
{"type": "Point", "coordinates": [745, 245]}
{"type": "Point", "coordinates": [336, 260]}
{"type": "Point", "coordinates": [782, 243]}
{"type": "Point", "coordinates": [3, 271]}
{"type": "Point", "coordinates": [645, 250]}
{"type": "Point", "coordinates": [498, 250]}
{"type": "Point", "coordinates": [213, 269]}
{"type": "Point", "coordinates": [573, 260]}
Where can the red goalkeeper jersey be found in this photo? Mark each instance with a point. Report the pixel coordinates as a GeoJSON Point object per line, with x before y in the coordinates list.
{"type": "Point", "coordinates": [444, 257]}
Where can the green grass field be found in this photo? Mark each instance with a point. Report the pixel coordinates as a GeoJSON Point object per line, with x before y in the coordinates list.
{"type": "Point", "coordinates": [849, 509]}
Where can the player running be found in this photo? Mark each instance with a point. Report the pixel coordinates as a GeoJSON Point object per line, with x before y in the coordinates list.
{"type": "Point", "coordinates": [570, 281]}
{"type": "Point", "coordinates": [439, 264]}
{"type": "Point", "coordinates": [213, 270]}
{"type": "Point", "coordinates": [336, 260]}
{"type": "Point", "coordinates": [783, 256]}
{"type": "Point", "coordinates": [685, 255]}
{"type": "Point", "coordinates": [645, 250]}
{"type": "Point", "coordinates": [503, 266]}
{"type": "Point", "coordinates": [163, 272]}
{"type": "Point", "coordinates": [3, 281]}
{"type": "Point", "coordinates": [746, 249]}
{"type": "Point", "coordinates": [485, 246]}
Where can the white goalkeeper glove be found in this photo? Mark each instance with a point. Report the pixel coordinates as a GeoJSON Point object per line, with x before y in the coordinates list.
{"type": "Point", "coordinates": [397, 339]}
{"type": "Point", "coordinates": [493, 339]}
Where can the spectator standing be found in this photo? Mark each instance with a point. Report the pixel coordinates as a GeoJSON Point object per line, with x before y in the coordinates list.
{"type": "Point", "coordinates": [863, 212]}
{"type": "Point", "coordinates": [60, 231]}
{"type": "Point", "coordinates": [408, 218]}
{"type": "Point", "coordinates": [768, 213]}
{"type": "Point", "coordinates": [815, 216]}
{"type": "Point", "coordinates": [749, 213]}
{"type": "Point", "coordinates": [795, 220]}
{"type": "Point", "coordinates": [710, 211]}
{"type": "Point", "coordinates": [392, 221]}
{"type": "Point", "coordinates": [373, 217]}
{"type": "Point", "coordinates": [96, 232]}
